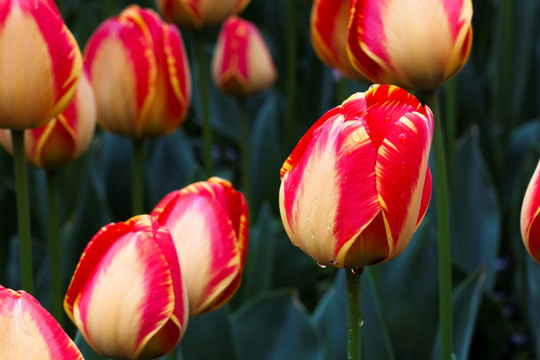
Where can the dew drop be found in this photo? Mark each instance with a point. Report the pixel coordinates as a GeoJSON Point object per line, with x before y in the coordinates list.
{"type": "Point", "coordinates": [387, 118]}
{"type": "Point", "coordinates": [403, 165]}
{"type": "Point", "coordinates": [317, 200]}
{"type": "Point", "coordinates": [312, 235]}
{"type": "Point", "coordinates": [362, 322]}
{"type": "Point", "coordinates": [345, 179]}
{"type": "Point", "coordinates": [322, 266]}
{"type": "Point", "coordinates": [373, 86]}
{"type": "Point", "coordinates": [403, 138]}
{"type": "Point", "coordinates": [333, 262]}
{"type": "Point", "coordinates": [349, 153]}
{"type": "Point", "coordinates": [357, 270]}
{"type": "Point", "coordinates": [356, 136]}
{"type": "Point", "coordinates": [328, 227]}
{"type": "Point", "coordinates": [308, 172]}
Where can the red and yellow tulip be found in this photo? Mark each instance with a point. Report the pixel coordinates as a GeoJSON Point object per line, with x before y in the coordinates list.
{"type": "Point", "coordinates": [242, 64]}
{"type": "Point", "coordinates": [127, 296]}
{"type": "Point", "coordinates": [40, 63]}
{"type": "Point", "coordinates": [140, 73]}
{"type": "Point", "coordinates": [196, 14]}
{"type": "Point", "coordinates": [28, 331]}
{"type": "Point", "coordinates": [357, 185]}
{"type": "Point", "coordinates": [416, 44]}
{"type": "Point", "coordinates": [208, 221]}
{"type": "Point", "coordinates": [328, 23]}
{"type": "Point", "coordinates": [530, 221]}
{"type": "Point", "coordinates": [64, 138]}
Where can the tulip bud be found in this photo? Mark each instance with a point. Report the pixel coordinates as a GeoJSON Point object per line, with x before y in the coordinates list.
{"type": "Point", "coordinates": [140, 74]}
{"type": "Point", "coordinates": [208, 221]}
{"type": "Point", "coordinates": [28, 331]}
{"type": "Point", "coordinates": [64, 138]}
{"type": "Point", "coordinates": [242, 64]}
{"type": "Point", "coordinates": [127, 296]}
{"type": "Point", "coordinates": [40, 63]}
{"type": "Point", "coordinates": [530, 224]}
{"type": "Point", "coordinates": [415, 44]}
{"type": "Point", "coordinates": [357, 185]}
{"type": "Point", "coordinates": [196, 14]}
{"type": "Point", "coordinates": [329, 21]}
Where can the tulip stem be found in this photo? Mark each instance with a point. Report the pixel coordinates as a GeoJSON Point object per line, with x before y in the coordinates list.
{"type": "Point", "coordinates": [138, 178]}
{"type": "Point", "coordinates": [205, 103]}
{"type": "Point", "coordinates": [244, 150]}
{"type": "Point", "coordinates": [443, 232]}
{"type": "Point", "coordinates": [54, 246]}
{"type": "Point", "coordinates": [292, 45]}
{"type": "Point", "coordinates": [354, 315]}
{"type": "Point", "coordinates": [450, 121]}
{"type": "Point", "coordinates": [23, 211]}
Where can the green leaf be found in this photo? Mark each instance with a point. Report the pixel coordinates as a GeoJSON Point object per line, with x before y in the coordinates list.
{"type": "Point", "coordinates": [476, 215]}
{"type": "Point", "coordinates": [209, 337]}
{"type": "Point", "coordinates": [85, 349]}
{"type": "Point", "coordinates": [273, 326]}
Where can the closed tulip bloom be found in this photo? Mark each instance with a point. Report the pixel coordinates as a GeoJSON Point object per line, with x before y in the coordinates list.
{"type": "Point", "coordinates": [196, 14]}
{"type": "Point", "coordinates": [357, 185]}
{"type": "Point", "coordinates": [28, 331]}
{"type": "Point", "coordinates": [416, 44]}
{"type": "Point", "coordinates": [530, 221]}
{"type": "Point", "coordinates": [242, 64]}
{"type": "Point", "coordinates": [64, 138]}
{"type": "Point", "coordinates": [328, 24]}
{"type": "Point", "coordinates": [140, 74]}
{"type": "Point", "coordinates": [127, 296]}
{"type": "Point", "coordinates": [208, 221]}
{"type": "Point", "coordinates": [40, 63]}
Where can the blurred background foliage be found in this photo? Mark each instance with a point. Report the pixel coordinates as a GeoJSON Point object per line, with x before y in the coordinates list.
{"type": "Point", "coordinates": [287, 307]}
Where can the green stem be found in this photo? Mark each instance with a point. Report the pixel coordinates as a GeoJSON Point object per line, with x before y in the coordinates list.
{"type": "Point", "coordinates": [451, 106]}
{"type": "Point", "coordinates": [342, 89]}
{"type": "Point", "coordinates": [244, 150]}
{"type": "Point", "coordinates": [354, 315]}
{"type": "Point", "coordinates": [443, 232]}
{"type": "Point", "coordinates": [292, 45]}
{"type": "Point", "coordinates": [380, 315]}
{"type": "Point", "coordinates": [23, 211]}
{"type": "Point", "coordinates": [54, 246]}
{"type": "Point", "coordinates": [205, 103]}
{"type": "Point", "coordinates": [138, 178]}
{"type": "Point", "coordinates": [173, 354]}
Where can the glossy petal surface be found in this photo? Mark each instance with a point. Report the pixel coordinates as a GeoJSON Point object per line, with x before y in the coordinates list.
{"type": "Point", "coordinates": [530, 224]}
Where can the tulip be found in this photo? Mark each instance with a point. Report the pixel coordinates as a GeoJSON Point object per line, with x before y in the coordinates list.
{"type": "Point", "coordinates": [530, 229]}
{"type": "Point", "coordinates": [40, 63]}
{"type": "Point", "coordinates": [139, 70]}
{"type": "Point", "coordinates": [64, 138]}
{"type": "Point", "coordinates": [127, 296]}
{"type": "Point", "coordinates": [415, 44]}
{"type": "Point", "coordinates": [28, 331]}
{"type": "Point", "coordinates": [208, 221]}
{"type": "Point", "coordinates": [357, 185]}
{"type": "Point", "coordinates": [329, 21]}
{"type": "Point", "coordinates": [196, 14]}
{"type": "Point", "coordinates": [242, 64]}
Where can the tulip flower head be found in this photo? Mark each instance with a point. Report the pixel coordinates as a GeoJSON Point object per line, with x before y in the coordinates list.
{"type": "Point", "coordinates": [64, 138]}
{"type": "Point", "coordinates": [208, 221]}
{"type": "Point", "coordinates": [415, 44]}
{"type": "Point", "coordinates": [140, 74]}
{"type": "Point", "coordinates": [242, 64]}
{"type": "Point", "coordinates": [357, 185]}
{"type": "Point", "coordinates": [530, 221]}
{"type": "Point", "coordinates": [127, 296]}
{"type": "Point", "coordinates": [40, 63]}
{"type": "Point", "coordinates": [329, 22]}
{"type": "Point", "coordinates": [196, 14]}
{"type": "Point", "coordinates": [28, 331]}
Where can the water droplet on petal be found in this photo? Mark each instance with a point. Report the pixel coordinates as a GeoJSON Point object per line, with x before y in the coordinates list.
{"type": "Point", "coordinates": [387, 118]}
{"type": "Point", "coordinates": [312, 235]}
{"type": "Point", "coordinates": [316, 200]}
{"type": "Point", "coordinates": [322, 266]}
{"type": "Point", "coordinates": [345, 179]}
{"type": "Point", "coordinates": [308, 172]}
{"type": "Point", "coordinates": [373, 86]}
{"type": "Point", "coordinates": [333, 262]}
{"type": "Point", "coordinates": [357, 270]}
{"type": "Point", "coordinates": [403, 165]}
{"type": "Point", "coordinates": [349, 153]}
{"type": "Point", "coordinates": [356, 136]}
{"type": "Point", "coordinates": [328, 227]}
{"type": "Point", "coordinates": [362, 322]}
{"type": "Point", "coordinates": [403, 138]}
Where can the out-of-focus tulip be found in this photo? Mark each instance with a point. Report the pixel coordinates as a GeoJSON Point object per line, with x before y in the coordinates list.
{"type": "Point", "coordinates": [64, 138]}
{"type": "Point", "coordinates": [127, 296]}
{"type": "Point", "coordinates": [242, 64]}
{"type": "Point", "coordinates": [40, 63]}
{"type": "Point", "coordinates": [357, 185]}
{"type": "Point", "coordinates": [140, 74]}
{"type": "Point", "coordinates": [530, 221]}
{"type": "Point", "coordinates": [196, 14]}
{"type": "Point", "coordinates": [329, 22]}
{"type": "Point", "coordinates": [208, 221]}
{"type": "Point", "coordinates": [28, 331]}
{"type": "Point", "coordinates": [415, 44]}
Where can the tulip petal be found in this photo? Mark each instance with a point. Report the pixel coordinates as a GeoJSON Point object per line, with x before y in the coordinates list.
{"type": "Point", "coordinates": [530, 209]}
{"type": "Point", "coordinates": [401, 173]}
{"type": "Point", "coordinates": [126, 270]}
{"type": "Point", "coordinates": [28, 331]}
{"type": "Point", "coordinates": [426, 197]}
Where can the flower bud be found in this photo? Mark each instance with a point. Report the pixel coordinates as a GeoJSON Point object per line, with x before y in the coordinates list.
{"type": "Point", "coordinates": [530, 221]}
